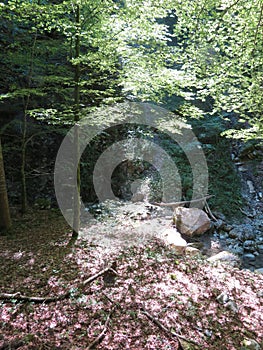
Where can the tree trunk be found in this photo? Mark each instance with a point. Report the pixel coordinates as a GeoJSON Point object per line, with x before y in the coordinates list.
{"type": "Point", "coordinates": [76, 199]}
{"type": "Point", "coordinates": [23, 165]}
{"type": "Point", "coordinates": [5, 221]}
{"type": "Point", "coordinates": [24, 132]}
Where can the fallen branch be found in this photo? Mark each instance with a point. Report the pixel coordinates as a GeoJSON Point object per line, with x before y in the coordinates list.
{"type": "Point", "coordinates": [179, 204]}
{"type": "Point", "coordinates": [18, 297]}
{"type": "Point", "coordinates": [102, 334]}
{"type": "Point", "coordinates": [166, 330]}
{"type": "Point", "coordinates": [94, 277]}
{"type": "Point", "coordinates": [210, 212]}
{"type": "Point", "coordinates": [24, 298]}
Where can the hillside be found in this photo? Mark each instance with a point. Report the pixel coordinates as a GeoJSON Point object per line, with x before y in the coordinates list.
{"type": "Point", "coordinates": [78, 295]}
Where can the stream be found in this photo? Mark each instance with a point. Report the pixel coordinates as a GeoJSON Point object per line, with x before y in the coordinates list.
{"type": "Point", "coordinates": [244, 236]}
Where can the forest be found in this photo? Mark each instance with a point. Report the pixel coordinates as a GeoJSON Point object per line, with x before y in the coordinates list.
{"type": "Point", "coordinates": [131, 174]}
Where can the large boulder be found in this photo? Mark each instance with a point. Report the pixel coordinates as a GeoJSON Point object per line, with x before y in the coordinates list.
{"type": "Point", "coordinates": [191, 221]}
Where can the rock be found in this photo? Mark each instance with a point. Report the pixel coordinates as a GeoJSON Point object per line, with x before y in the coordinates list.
{"type": "Point", "coordinates": [219, 224]}
{"type": "Point", "coordinates": [191, 221]}
{"type": "Point", "coordinates": [251, 186]}
{"type": "Point", "coordinates": [250, 344]}
{"type": "Point", "coordinates": [226, 257]}
{"type": "Point", "coordinates": [227, 227]}
{"type": "Point", "coordinates": [242, 168]}
{"type": "Point", "coordinates": [192, 251]}
{"type": "Point", "coordinates": [249, 233]}
{"type": "Point", "coordinates": [250, 257]}
{"type": "Point", "coordinates": [223, 235]}
{"type": "Point", "coordinates": [259, 271]}
{"type": "Point", "coordinates": [231, 305]}
{"type": "Point", "coordinates": [249, 246]}
{"type": "Point", "coordinates": [243, 232]}
{"type": "Point", "coordinates": [222, 298]}
{"type": "Point", "coordinates": [173, 238]}
{"type": "Point", "coordinates": [260, 248]}
{"type": "Point", "coordinates": [237, 249]}
{"type": "Point", "coordinates": [138, 197]}
{"type": "Point", "coordinates": [234, 233]}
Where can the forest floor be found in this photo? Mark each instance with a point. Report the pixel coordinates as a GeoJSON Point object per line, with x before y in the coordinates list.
{"type": "Point", "coordinates": [57, 293]}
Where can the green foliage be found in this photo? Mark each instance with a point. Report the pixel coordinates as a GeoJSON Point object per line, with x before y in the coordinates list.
{"type": "Point", "coordinates": [224, 182]}
{"type": "Point", "coordinates": [146, 49]}
{"type": "Point", "coordinates": [122, 47]}
{"type": "Point", "coordinates": [151, 50]}
{"type": "Point", "coordinates": [221, 51]}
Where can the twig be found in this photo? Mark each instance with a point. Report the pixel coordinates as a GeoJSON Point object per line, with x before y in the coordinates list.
{"type": "Point", "coordinates": [247, 214]}
{"type": "Point", "coordinates": [107, 297]}
{"type": "Point", "coordinates": [166, 330]}
{"type": "Point", "coordinates": [230, 7]}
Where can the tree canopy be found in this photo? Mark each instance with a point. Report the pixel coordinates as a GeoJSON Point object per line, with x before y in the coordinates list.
{"type": "Point", "coordinates": [221, 51]}
{"type": "Point", "coordinates": [145, 49]}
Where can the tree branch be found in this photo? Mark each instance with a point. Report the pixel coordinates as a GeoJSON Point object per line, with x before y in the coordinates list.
{"type": "Point", "coordinates": [230, 7]}
{"type": "Point", "coordinates": [166, 330]}
{"type": "Point", "coordinates": [25, 298]}
{"type": "Point", "coordinates": [210, 212]}
{"type": "Point", "coordinates": [94, 277]}
{"type": "Point", "coordinates": [258, 24]}
{"type": "Point", "coordinates": [101, 335]}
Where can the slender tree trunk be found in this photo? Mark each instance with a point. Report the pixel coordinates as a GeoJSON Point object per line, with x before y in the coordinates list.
{"type": "Point", "coordinates": [76, 199]}
{"type": "Point", "coordinates": [5, 220]}
{"type": "Point", "coordinates": [24, 133]}
{"type": "Point", "coordinates": [23, 166]}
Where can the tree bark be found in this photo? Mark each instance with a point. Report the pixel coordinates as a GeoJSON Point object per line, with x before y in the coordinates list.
{"type": "Point", "coordinates": [24, 132]}
{"type": "Point", "coordinates": [5, 220]}
{"type": "Point", "coordinates": [76, 199]}
{"type": "Point", "coordinates": [22, 170]}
